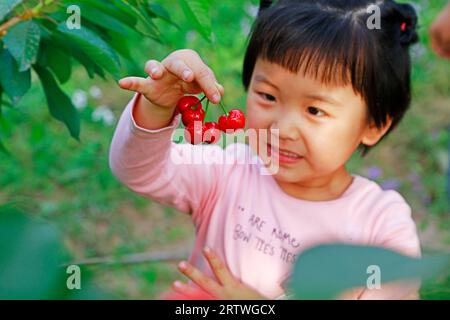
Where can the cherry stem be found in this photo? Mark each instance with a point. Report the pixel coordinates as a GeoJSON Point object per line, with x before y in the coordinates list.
{"type": "Point", "coordinates": [206, 109]}
{"type": "Point", "coordinates": [223, 108]}
{"type": "Point", "coordinates": [198, 103]}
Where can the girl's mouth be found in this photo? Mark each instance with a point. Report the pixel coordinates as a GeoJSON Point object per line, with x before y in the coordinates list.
{"type": "Point", "coordinates": [282, 156]}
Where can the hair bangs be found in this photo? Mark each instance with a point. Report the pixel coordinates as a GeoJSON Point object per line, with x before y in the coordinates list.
{"type": "Point", "coordinates": [322, 48]}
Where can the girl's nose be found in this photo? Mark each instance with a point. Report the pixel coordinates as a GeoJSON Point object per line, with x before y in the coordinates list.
{"type": "Point", "coordinates": [288, 126]}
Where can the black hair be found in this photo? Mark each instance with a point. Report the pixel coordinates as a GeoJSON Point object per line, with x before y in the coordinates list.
{"type": "Point", "coordinates": [331, 40]}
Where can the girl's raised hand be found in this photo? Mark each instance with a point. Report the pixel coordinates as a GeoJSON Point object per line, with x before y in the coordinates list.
{"type": "Point", "coordinates": [182, 72]}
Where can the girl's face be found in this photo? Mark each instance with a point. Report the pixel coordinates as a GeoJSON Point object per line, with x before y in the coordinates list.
{"type": "Point", "coordinates": [323, 124]}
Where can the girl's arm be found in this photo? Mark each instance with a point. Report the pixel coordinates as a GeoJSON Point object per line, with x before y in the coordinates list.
{"type": "Point", "coordinates": [142, 155]}
{"type": "Point", "coordinates": [182, 176]}
{"type": "Point", "coordinates": [140, 158]}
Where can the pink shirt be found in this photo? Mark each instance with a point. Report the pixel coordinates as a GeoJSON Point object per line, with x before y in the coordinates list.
{"type": "Point", "coordinates": [245, 217]}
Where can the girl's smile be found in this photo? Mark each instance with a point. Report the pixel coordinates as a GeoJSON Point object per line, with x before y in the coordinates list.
{"type": "Point", "coordinates": [283, 156]}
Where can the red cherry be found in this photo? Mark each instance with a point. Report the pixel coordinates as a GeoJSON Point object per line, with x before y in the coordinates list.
{"type": "Point", "coordinates": [191, 115]}
{"type": "Point", "coordinates": [187, 102]}
{"type": "Point", "coordinates": [234, 121]}
{"type": "Point", "coordinates": [212, 132]}
{"type": "Point", "coordinates": [194, 132]}
{"type": "Point", "coordinates": [223, 122]}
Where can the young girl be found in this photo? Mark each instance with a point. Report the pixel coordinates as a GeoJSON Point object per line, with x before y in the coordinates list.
{"type": "Point", "coordinates": [322, 82]}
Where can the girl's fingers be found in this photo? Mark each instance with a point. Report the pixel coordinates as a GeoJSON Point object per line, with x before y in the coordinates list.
{"type": "Point", "coordinates": [136, 84]}
{"type": "Point", "coordinates": [154, 69]}
{"type": "Point", "coordinates": [207, 82]}
{"type": "Point", "coordinates": [189, 291]}
{"type": "Point", "coordinates": [203, 281]}
{"type": "Point", "coordinates": [179, 68]}
{"type": "Point", "coordinates": [196, 70]}
{"type": "Point", "coordinates": [219, 268]}
{"type": "Point", "coordinates": [182, 288]}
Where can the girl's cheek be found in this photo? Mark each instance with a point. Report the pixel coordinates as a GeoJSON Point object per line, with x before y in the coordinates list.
{"type": "Point", "coordinates": [329, 149]}
{"type": "Point", "coordinates": [259, 117]}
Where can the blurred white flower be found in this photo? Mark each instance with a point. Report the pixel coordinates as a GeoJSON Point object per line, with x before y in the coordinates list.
{"type": "Point", "coordinates": [191, 36]}
{"type": "Point", "coordinates": [251, 9]}
{"type": "Point", "coordinates": [418, 51]}
{"type": "Point", "coordinates": [105, 115]}
{"type": "Point", "coordinates": [96, 92]}
{"type": "Point", "coordinates": [419, 7]}
{"type": "Point", "coordinates": [79, 99]}
{"type": "Point", "coordinates": [442, 157]}
{"type": "Point", "coordinates": [245, 26]}
{"type": "Point", "coordinates": [49, 207]}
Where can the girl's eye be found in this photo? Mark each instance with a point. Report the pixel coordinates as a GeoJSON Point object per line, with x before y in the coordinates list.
{"type": "Point", "coordinates": [267, 97]}
{"type": "Point", "coordinates": [316, 111]}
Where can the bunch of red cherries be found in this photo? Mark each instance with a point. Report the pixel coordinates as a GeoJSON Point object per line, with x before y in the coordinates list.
{"type": "Point", "coordinates": [196, 131]}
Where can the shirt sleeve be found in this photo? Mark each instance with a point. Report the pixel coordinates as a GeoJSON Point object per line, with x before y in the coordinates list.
{"type": "Point", "coordinates": [149, 163]}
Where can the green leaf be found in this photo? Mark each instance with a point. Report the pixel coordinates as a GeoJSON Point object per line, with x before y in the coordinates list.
{"type": "Point", "coordinates": [116, 9]}
{"type": "Point", "coordinates": [91, 67]}
{"type": "Point", "coordinates": [60, 64]}
{"type": "Point", "coordinates": [94, 47]}
{"type": "Point", "coordinates": [28, 255]}
{"type": "Point", "coordinates": [59, 104]}
{"type": "Point", "coordinates": [31, 253]}
{"type": "Point", "coordinates": [14, 83]}
{"type": "Point", "coordinates": [118, 43]}
{"type": "Point", "coordinates": [2, 147]}
{"type": "Point", "coordinates": [198, 14]}
{"type": "Point", "coordinates": [132, 14]}
{"type": "Point", "coordinates": [3, 102]}
{"type": "Point", "coordinates": [325, 271]}
{"type": "Point", "coordinates": [7, 6]}
{"type": "Point", "coordinates": [57, 60]}
{"type": "Point", "coordinates": [50, 7]}
{"type": "Point", "coordinates": [22, 41]}
{"type": "Point", "coordinates": [156, 10]}
{"type": "Point", "coordinates": [145, 24]}
{"type": "Point", "coordinates": [104, 20]}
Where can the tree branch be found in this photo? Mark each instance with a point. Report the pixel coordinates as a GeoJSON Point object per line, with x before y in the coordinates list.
{"type": "Point", "coordinates": [156, 256]}
{"type": "Point", "coordinates": [8, 24]}
{"type": "Point", "coordinates": [28, 14]}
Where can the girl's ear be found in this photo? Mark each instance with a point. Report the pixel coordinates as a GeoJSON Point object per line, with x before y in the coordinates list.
{"type": "Point", "coordinates": [373, 134]}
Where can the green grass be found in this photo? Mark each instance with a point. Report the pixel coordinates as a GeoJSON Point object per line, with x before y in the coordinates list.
{"type": "Point", "coordinates": [70, 183]}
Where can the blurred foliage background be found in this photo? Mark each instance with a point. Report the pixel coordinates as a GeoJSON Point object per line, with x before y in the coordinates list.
{"type": "Point", "coordinates": [68, 182]}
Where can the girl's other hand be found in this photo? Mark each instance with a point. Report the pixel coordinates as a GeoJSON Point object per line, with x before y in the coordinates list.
{"type": "Point", "coordinates": [224, 287]}
{"type": "Point", "coordinates": [440, 34]}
